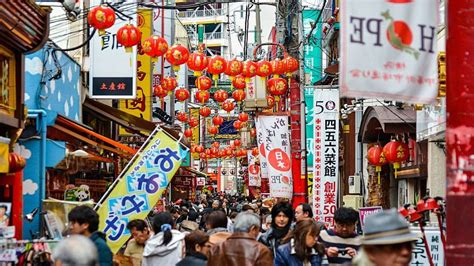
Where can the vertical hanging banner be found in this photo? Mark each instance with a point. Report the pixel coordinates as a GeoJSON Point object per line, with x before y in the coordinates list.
{"type": "Point", "coordinates": [326, 154]}
{"type": "Point", "coordinates": [276, 147]}
{"type": "Point", "coordinates": [106, 79]}
{"type": "Point", "coordinates": [194, 112]}
{"type": "Point", "coordinates": [312, 53]}
{"type": "Point", "coordinates": [254, 170]}
{"type": "Point", "coordinates": [140, 187]}
{"type": "Point", "coordinates": [400, 38]}
{"type": "Point", "coordinates": [261, 151]}
{"type": "Point", "coordinates": [141, 106]}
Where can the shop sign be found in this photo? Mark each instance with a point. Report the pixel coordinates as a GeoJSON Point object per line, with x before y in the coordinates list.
{"type": "Point", "coordinates": [367, 211]}
{"type": "Point", "coordinates": [326, 154]}
{"type": "Point", "coordinates": [4, 164]}
{"type": "Point", "coordinates": [254, 170]}
{"type": "Point", "coordinates": [312, 51]}
{"type": "Point", "coordinates": [276, 149]}
{"type": "Point", "coordinates": [419, 255]}
{"type": "Point", "coordinates": [402, 49]}
{"type": "Point", "coordinates": [140, 187]}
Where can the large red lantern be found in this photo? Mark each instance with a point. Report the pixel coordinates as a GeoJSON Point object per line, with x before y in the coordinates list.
{"type": "Point", "coordinates": [228, 106]}
{"type": "Point", "coordinates": [217, 66]}
{"type": "Point", "coordinates": [239, 82]}
{"type": "Point", "coordinates": [128, 36]}
{"type": "Point", "coordinates": [154, 46]}
{"type": "Point", "coordinates": [270, 101]}
{"type": "Point", "coordinates": [237, 124]}
{"type": "Point", "coordinates": [169, 84]}
{"type": "Point", "coordinates": [238, 95]}
{"type": "Point", "coordinates": [182, 116]}
{"type": "Point", "coordinates": [188, 133]}
{"type": "Point", "coordinates": [264, 69]}
{"type": "Point", "coordinates": [277, 87]}
{"type": "Point", "coordinates": [15, 162]}
{"type": "Point", "coordinates": [278, 67]}
{"type": "Point", "coordinates": [212, 130]}
{"type": "Point", "coordinates": [198, 62]}
{"type": "Point", "coordinates": [292, 65]}
{"type": "Point", "coordinates": [202, 96]}
{"type": "Point", "coordinates": [193, 122]}
{"type": "Point", "coordinates": [181, 94]}
{"type": "Point", "coordinates": [159, 91]}
{"type": "Point", "coordinates": [101, 17]}
{"type": "Point", "coordinates": [249, 70]}
{"type": "Point", "coordinates": [237, 143]}
{"type": "Point", "coordinates": [203, 83]}
{"type": "Point", "coordinates": [205, 111]}
{"type": "Point", "coordinates": [220, 96]}
{"type": "Point", "coordinates": [177, 55]}
{"type": "Point", "coordinates": [234, 67]}
{"type": "Point", "coordinates": [376, 157]}
{"type": "Point", "coordinates": [396, 152]}
{"type": "Point", "coordinates": [217, 120]}
{"type": "Point", "coordinates": [243, 117]}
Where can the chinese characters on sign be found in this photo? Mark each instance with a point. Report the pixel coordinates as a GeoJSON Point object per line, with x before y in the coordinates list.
{"type": "Point", "coordinates": [326, 154]}
{"type": "Point", "coordinates": [275, 147]}
{"type": "Point", "coordinates": [402, 49]}
{"type": "Point", "coordinates": [419, 256]}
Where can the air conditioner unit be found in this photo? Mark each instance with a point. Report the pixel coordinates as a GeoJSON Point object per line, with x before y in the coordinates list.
{"type": "Point", "coordinates": [354, 201]}
{"type": "Point", "coordinates": [354, 184]}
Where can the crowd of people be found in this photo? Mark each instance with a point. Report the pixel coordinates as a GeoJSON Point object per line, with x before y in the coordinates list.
{"type": "Point", "coordinates": [232, 231]}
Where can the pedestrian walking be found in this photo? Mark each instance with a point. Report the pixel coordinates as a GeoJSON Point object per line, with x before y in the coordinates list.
{"type": "Point", "coordinates": [75, 250]}
{"type": "Point", "coordinates": [282, 215]}
{"type": "Point", "coordinates": [197, 249]}
{"type": "Point", "coordinates": [216, 225]}
{"type": "Point", "coordinates": [135, 246]}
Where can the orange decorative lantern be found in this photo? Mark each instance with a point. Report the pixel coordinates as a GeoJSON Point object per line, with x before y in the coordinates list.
{"type": "Point", "coordinates": [253, 132]}
{"type": "Point", "coordinates": [203, 83]}
{"type": "Point", "coordinates": [277, 87]}
{"type": "Point", "coordinates": [237, 125]}
{"type": "Point", "coordinates": [239, 82]}
{"type": "Point", "coordinates": [128, 36]}
{"type": "Point", "coordinates": [177, 55]}
{"type": "Point", "coordinates": [270, 101]}
{"type": "Point", "coordinates": [214, 150]}
{"type": "Point", "coordinates": [292, 65]}
{"type": "Point", "coordinates": [202, 96]}
{"type": "Point", "coordinates": [220, 96]}
{"type": "Point", "coordinates": [396, 152]}
{"type": "Point", "coordinates": [234, 67]}
{"type": "Point", "coordinates": [249, 70]}
{"type": "Point", "coordinates": [238, 95]}
{"type": "Point", "coordinates": [182, 116]}
{"type": "Point", "coordinates": [159, 91]}
{"type": "Point", "coordinates": [212, 130]}
{"type": "Point", "coordinates": [376, 157]}
{"type": "Point", "coordinates": [217, 66]}
{"type": "Point", "coordinates": [264, 69]}
{"type": "Point", "coordinates": [278, 67]}
{"type": "Point", "coordinates": [198, 62]}
{"type": "Point", "coordinates": [243, 117]}
{"type": "Point", "coordinates": [237, 143]}
{"type": "Point", "coordinates": [181, 94]}
{"type": "Point", "coordinates": [15, 162]}
{"type": "Point", "coordinates": [154, 46]}
{"type": "Point", "coordinates": [169, 84]}
{"type": "Point", "coordinates": [193, 122]}
{"type": "Point", "coordinates": [203, 156]}
{"type": "Point", "coordinates": [255, 151]}
{"type": "Point", "coordinates": [101, 17]}
{"type": "Point", "coordinates": [216, 144]}
{"type": "Point", "coordinates": [188, 133]}
{"type": "Point", "coordinates": [205, 111]}
{"type": "Point", "coordinates": [221, 154]}
{"type": "Point", "coordinates": [217, 120]}
{"type": "Point", "coordinates": [199, 149]}
{"type": "Point", "coordinates": [228, 106]}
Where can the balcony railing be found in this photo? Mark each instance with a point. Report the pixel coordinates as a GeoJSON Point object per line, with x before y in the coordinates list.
{"type": "Point", "coordinates": [201, 13]}
{"type": "Point", "coordinates": [208, 36]}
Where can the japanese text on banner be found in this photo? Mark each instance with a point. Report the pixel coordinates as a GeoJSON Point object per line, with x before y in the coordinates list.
{"type": "Point", "coordinates": [254, 170]}
{"type": "Point", "coordinates": [261, 149]}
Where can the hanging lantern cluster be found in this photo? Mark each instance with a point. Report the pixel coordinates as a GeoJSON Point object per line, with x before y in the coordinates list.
{"type": "Point", "coordinates": [393, 152]}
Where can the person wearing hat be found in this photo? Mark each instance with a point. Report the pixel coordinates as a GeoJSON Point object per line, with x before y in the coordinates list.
{"type": "Point", "coordinates": [387, 240]}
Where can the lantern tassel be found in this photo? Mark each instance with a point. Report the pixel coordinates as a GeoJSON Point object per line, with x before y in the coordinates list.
{"type": "Point", "coordinates": [378, 179]}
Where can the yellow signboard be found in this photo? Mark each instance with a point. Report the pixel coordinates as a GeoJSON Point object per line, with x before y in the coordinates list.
{"type": "Point", "coordinates": [4, 158]}
{"type": "Point", "coordinates": [141, 106]}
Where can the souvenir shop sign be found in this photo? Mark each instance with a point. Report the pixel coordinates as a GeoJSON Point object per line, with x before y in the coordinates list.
{"type": "Point", "coordinates": [326, 154]}
{"type": "Point", "coordinates": [276, 149]}
{"type": "Point", "coordinates": [112, 70]}
{"type": "Point", "coordinates": [419, 255]}
{"type": "Point", "coordinates": [254, 170]}
{"type": "Point", "coordinates": [401, 47]}
{"type": "Point", "coordinates": [140, 187]}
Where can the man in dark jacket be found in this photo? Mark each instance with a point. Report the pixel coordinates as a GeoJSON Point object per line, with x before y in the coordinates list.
{"type": "Point", "coordinates": [83, 220]}
{"type": "Point", "coordinates": [242, 248]}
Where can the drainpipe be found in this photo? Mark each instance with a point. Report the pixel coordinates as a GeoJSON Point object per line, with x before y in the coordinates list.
{"type": "Point", "coordinates": [41, 114]}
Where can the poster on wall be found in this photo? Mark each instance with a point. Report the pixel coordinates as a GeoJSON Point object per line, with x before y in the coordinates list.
{"type": "Point", "coordinates": [5, 213]}
{"type": "Point", "coordinates": [276, 149]}
{"type": "Point", "coordinates": [254, 170]}
{"type": "Point", "coordinates": [402, 48]}
{"type": "Point", "coordinates": [326, 154]}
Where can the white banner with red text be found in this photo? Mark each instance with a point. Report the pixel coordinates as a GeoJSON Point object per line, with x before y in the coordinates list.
{"type": "Point", "coordinates": [254, 170]}
{"type": "Point", "coordinates": [261, 149]}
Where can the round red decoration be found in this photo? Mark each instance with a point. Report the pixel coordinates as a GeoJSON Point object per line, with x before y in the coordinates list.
{"type": "Point", "coordinates": [128, 36]}
{"type": "Point", "coordinates": [228, 106]}
{"type": "Point", "coordinates": [188, 133]}
{"type": "Point", "coordinates": [198, 62]}
{"type": "Point", "coordinates": [217, 120]}
{"type": "Point", "coordinates": [243, 117]}
{"type": "Point", "coordinates": [203, 83]}
{"type": "Point", "coordinates": [220, 96]}
{"type": "Point", "coordinates": [239, 82]}
{"type": "Point", "coordinates": [182, 116]}
{"type": "Point", "coordinates": [292, 65]}
{"type": "Point", "coordinates": [217, 66]}
{"type": "Point", "coordinates": [264, 69]}
{"type": "Point", "coordinates": [277, 87]}
{"type": "Point", "coordinates": [234, 67]}
{"type": "Point", "coordinates": [278, 67]}
{"type": "Point", "coordinates": [212, 130]}
{"type": "Point", "coordinates": [101, 17]}
{"type": "Point", "coordinates": [279, 160]}
{"type": "Point", "coordinates": [203, 96]}
{"type": "Point", "coordinates": [181, 94]}
{"type": "Point", "coordinates": [159, 91]}
{"type": "Point", "coordinates": [177, 55]}
{"type": "Point", "coordinates": [238, 95]}
{"type": "Point", "coordinates": [249, 70]}
{"type": "Point", "coordinates": [205, 111]}
{"type": "Point", "coordinates": [154, 46]}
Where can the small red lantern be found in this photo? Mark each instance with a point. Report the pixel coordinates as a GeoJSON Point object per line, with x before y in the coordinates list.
{"type": "Point", "coordinates": [128, 36]}
{"type": "Point", "coordinates": [181, 94]}
{"type": "Point", "coordinates": [182, 116]}
{"type": "Point", "coordinates": [101, 17]}
{"type": "Point", "coordinates": [237, 143]}
{"type": "Point", "coordinates": [214, 150]}
{"type": "Point", "coordinates": [237, 124]}
{"type": "Point", "coordinates": [159, 91]}
{"type": "Point", "coordinates": [199, 149]}
{"type": "Point", "coordinates": [198, 62]}
{"type": "Point", "coordinates": [277, 87]}
{"type": "Point", "coordinates": [255, 151]}
{"type": "Point", "coordinates": [253, 132]}
{"type": "Point", "coordinates": [396, 152]}
{"type": "Point", "coordinates": [188, 133]}
{"type": "Point", "coordinates": [154, 46]}
{"type": "Point", "coordinates": [270, 101]}
{"type": "Point", "coordinates": [217, 120]}
{"type": "Point", "coordinates": [249, 70]}
{"type": "Point", "coordinates": [292, 65]}
{"type": "Point", "coordinates": [228, 152]}
{"type": "Point", "coordinates": [243, 117]}
{"type": "Point", "coordinates": [169, 84]}
{"type": "Point", "coordinates": [376, 157]}
{"type": "Point", "coordinates": [234, 67]}
{"type": "Point", "coordinates": [220, 96]}
{"type": "Point", "coordinates": [203, 96]}
{"type": "Point", "coordinates": [203, 156]}
{"type": "Point", "coordinates": [221, 154]}
{"type": "Point", "coordinates": [193, 122]}
{"type": "Point", "coordinates": [177, 55]}
{"type": "Point", "coordinates": [278, 67]}
{"type": "Point", "coordinates": [238, 95]}
{"type": "Point", "coordinates": [217, 66]}
{"type": "Point", "coordinates": [264, 69]}
{"type": "Point", "coordinates": [228, 106]}
{"type": "Point", "coordinates": [239, 82]}
{"type": "Point", "coordinates": [16, 162]}
{"type": "Point", "coordinates": [205, 111]}
{"type": "Point", "coordinates": [216, 144]}
{"type": "Point", "coordinates": [212, 130]}
{"type": "Point", "coordinates": [203, 83]}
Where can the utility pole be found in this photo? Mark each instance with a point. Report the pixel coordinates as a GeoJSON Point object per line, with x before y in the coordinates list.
{"type": "Point", "coordinates": [258, 27]}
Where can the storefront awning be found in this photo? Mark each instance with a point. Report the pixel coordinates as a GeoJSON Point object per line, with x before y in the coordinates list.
{"type": "Point", "coordinates": [379, 122]}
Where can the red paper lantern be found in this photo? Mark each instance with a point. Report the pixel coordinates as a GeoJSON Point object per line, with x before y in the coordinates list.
{"type": "Point", "coordinates": [237, 143]}
{"type": "Point", "coordinates": [181, 94]}
{"type": "Point", "coordinates": [193, 122]}
{"type": "Point", "coordinates": [264, 69]}
{"type": "Point", "coordinates": [220, 96]}
{"type": "Point", "coordinates": [243, 117]}
{"type": "Point", "coordinates": [217, 120]}
{"type": "Point", "coordinates": [198, 62]}
{"type": "Point", "coordinates": [203, 83]}
{"type": "Point", "coordinates": [221, 154]}
{"type": "Point", "coordinates": [253, 132]}
{"type": "Point", "coordinates": [203, 156]}
{"type": "Point", "coordinates": [169, 84]}
{"type": "Point", "coordinates": [217, 66]}
{"type": "Point", "coordinates": [16, 162]}
{"type": "Point", "coordinates": [255, 151]}
{"type": "Point", "coordinates": [237, 125]}
{"type": "Point", "coordinates": [159, 91]}
{"type": "Point", "coordinates": [249, 70]}
{"type": "Point", "coordinates": [277, 87]}
{"type": "Point", "coordinates": [177, 55]}
{"type": "Point", "coordinates": [128, 36]}
{"type": "Point", "coordinates": [239, 82]}
{"type": "Point", "coordinates": [278, 67]}
{"type": "Point", "coordinates": [376, 157]}
{"type": "Point", "coordinates": [203, 96]}
{"type": "Point", "coordinates": [182, 116]}
{"type": "Point", "coordinates": [228, 152]}
{"type": "Point", "coordinates": [188, 133]}
{"type": "Point", "coordinates": [199, 149]}
{"type": "Point", "coordinates": [214, 150]}
{"type": "Point", "coordinates": [292, 65]}
{"type": "Point", "coordinates": [205, 111]}
{"type": "Point", "coordinates": [234, 67]}
{"type": "Point", "coordinates": [216, 144]}
{"type": "Point", "coordinates": [154, 46]}
{"type": "Point", "coordinates": [228, 106]}
{"type": "Point", "coordinates": [212, 130]}
{"type": "Point", "coordinates": [270, 101]}
{"type": "Point", "coordinates": [101, 17]}
{"type": "Point", "coordinates": [238, 95]}
{"type": "Point", "coordinates": [396, 152]}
